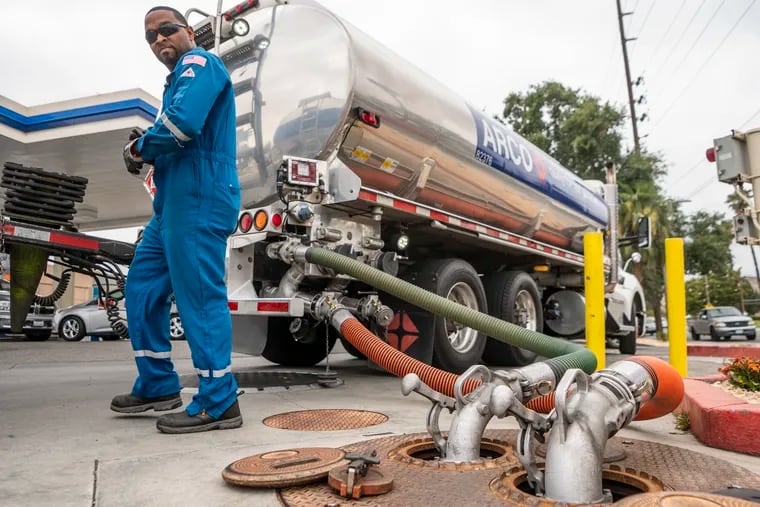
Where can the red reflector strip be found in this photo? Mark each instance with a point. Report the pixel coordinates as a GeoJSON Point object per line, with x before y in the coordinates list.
{"type": "Point", "coordinates": [367, 196]}
{"type": "Point", "coordinates": [264, 306]}
{"type": "Point", "coordinates": [75, 241]}
{"type": "Point", "coordinates": [435, 215]}
{"type": "Point", "coordinates": [233, 305]}
{"type": "Point", "coordinates": [411, 208]}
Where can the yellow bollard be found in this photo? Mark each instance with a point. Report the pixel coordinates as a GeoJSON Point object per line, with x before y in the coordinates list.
{"type": "Point", "coordinates": [676, 296]}
{"type": "Point", "coordinates": [593, 273]}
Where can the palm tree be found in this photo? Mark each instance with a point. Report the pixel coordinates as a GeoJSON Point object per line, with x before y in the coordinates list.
{"type": "Point", "coordinates": [643, 199]}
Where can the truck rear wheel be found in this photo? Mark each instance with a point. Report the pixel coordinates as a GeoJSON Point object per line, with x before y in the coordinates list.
{"type": "Point", "coordinates": [455, 346]}
{"type": "Point", "coordinates": [627, 343]}
{"type": "Point", "coordinates": [281, 348]}
{"type": "Point", "coordinates": [512, 296]}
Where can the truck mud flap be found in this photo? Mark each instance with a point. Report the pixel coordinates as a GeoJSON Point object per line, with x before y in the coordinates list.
{"type": "Point", "coordinates": [249, 334]}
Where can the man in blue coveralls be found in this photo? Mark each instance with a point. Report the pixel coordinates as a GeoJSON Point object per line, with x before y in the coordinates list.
{"type": "Point", "coordinates": [192, 147]}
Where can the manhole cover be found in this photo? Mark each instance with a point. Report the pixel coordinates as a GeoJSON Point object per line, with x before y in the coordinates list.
{"type": "Point", "coordinates": [325, 420]}
{"type": "Point", "coordinates": [680, 469]}
{"type": "Point", "coordinates": [683, 499]}
{"type": "Point", "coordinates": [278, 469]}
{"type": "Point", "coordinates": [512, 486]}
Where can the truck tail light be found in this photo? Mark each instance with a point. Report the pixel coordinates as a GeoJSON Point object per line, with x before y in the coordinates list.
{"type": "Point", "coordinates": [232, 305]}
{"type": "Point", "coordinates": [245, 222]}
{"type": "Point", "coordinates": [276, 219]}
{"type": "Point", "coordinates": [710, 154]}
{"type": "Point", "coordinates": [260, 220]}
{"type": "Point", "coordinates": [369, 118]}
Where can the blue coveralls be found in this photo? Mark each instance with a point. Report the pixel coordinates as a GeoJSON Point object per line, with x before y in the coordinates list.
{"type": "Point", "coordinates": [183, 247]}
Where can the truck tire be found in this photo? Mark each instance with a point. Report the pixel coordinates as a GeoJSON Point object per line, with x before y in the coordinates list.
{"type": "Point", "coordinates": [694, 335]}
{"type": "Point", "coordinates": [281, 348]}
{"type": "Point", "coordinates": [512, 296]}
{"type": "Point", "coordinates": [71, 329]}
{"type": "Point", "coordinates": [38, 336]}
{"type": "Point", "coordinates": [713, 336]}
{"type": "Point", "coordinates": [455, 347]}
{"type": "Point", "coordinates": [627, 343]}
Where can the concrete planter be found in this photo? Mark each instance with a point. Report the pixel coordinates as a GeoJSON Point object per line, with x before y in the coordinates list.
{"type": "Point", "coordinates": [720, 419]}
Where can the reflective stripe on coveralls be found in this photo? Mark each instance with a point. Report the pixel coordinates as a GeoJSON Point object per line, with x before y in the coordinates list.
{"type": "Point", "coordinates": [183, 247]}
{"type": "Point", "coordinates": [153, 354]}
{"type": "Point", "coordinates": [215, 373]}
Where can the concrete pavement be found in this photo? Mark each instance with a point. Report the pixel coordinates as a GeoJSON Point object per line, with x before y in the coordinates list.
{"type": "Point", "coordinates": [62, 445]}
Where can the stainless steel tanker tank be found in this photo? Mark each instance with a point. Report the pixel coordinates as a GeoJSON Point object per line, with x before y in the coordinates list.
{"type": "Point", "coordinates": [302, 75]}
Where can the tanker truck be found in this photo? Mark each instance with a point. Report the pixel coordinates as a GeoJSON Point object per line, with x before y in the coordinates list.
{"type": "Point", "coordinates": [346, 149]}
{"type": "Point", "coordinates": [344, 145]}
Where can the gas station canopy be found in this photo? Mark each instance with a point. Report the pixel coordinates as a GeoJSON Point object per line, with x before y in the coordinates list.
{"type": "Point", "coordinates": [84, 137]}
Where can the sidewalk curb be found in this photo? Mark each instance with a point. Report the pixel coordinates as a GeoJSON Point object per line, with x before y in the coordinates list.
{"type": "Point", "coordinates": [720, 419]}
{"type": "Point", "coordinates": [724, 351]}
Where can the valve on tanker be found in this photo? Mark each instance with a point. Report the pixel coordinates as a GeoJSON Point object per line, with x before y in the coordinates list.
{"type": "Point", "coordinates": [302, 212]}
{"type": "Point", "coordinates": [386, 262]}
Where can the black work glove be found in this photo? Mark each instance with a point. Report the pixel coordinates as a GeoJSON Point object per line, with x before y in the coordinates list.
{"type": "Point", "coordinates": [136, 133]}
{"type": "Point", "coordinates": [133, 162]}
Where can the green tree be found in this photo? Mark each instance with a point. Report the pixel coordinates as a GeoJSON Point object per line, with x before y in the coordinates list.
{"type": "Point", "coordinates": [708, 249]}
{"type": "Point", "coordinates": [577, 129]}
{"type": "Point", "coordinates": [724, 290]}
{"type": "Point", "coordinates": [583, 134]}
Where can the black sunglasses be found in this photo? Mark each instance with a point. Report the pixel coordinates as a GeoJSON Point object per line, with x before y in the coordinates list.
{"type": "Point", "coordinates": [166, 30]}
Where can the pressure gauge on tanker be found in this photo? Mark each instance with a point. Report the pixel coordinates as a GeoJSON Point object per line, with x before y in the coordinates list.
{"type": "Point", "coordinates": [303, 172]}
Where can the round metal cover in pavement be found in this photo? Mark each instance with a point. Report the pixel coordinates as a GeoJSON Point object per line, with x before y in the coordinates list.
{"type": "Point", "coordinates": [279, 469]}
{"type": "Point", "coordinates": [682, 499]}
{"type": "Point", "coordinates": [325, 420]}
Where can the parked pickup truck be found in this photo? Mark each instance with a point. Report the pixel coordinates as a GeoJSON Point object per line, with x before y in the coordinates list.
{"type": "Point", "coordinates": [722, 322]}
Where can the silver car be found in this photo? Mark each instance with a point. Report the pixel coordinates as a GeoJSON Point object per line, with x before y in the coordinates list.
{"type": "Point", "coordinates": [90, 319]}
{"type": "Point", "coordinates": [38, 323]}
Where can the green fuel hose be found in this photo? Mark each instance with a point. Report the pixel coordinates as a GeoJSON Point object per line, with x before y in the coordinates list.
{"type": "Point", "coordinates": [563, 355]}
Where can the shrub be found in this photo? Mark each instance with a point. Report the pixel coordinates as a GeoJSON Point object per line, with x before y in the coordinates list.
{"type": "Point", "coordinates": [743, 372]}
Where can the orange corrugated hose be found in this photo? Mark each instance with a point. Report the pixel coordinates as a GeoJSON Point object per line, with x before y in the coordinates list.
{"type": "Point", "coordinates": [664, 400]}
{"type": "Point", "coordinates": [399, 363]}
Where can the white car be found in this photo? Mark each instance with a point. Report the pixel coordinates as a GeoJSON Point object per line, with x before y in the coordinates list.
{"type": "Point", "coordinates": [90, 319]}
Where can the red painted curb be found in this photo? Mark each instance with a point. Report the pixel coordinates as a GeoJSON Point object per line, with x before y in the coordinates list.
{"type": "Point", "coordinates": [723, 351]}
{"type": "Point", "coordinates": [720, 419]}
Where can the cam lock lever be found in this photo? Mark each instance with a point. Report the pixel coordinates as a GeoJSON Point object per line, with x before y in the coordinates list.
{"type": "Point", "coordinates": [357, 478]}
{"type": "Point", "coordinates": [412, 383]}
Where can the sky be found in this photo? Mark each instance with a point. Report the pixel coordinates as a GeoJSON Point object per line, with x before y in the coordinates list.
{"type": "Point", "coordinates": [695, 58]}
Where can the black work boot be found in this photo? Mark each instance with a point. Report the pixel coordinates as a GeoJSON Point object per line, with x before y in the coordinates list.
{"type": "Point", "coordinates": [129, 404]}
{"type": "Point", "coordinates": [181, 422]}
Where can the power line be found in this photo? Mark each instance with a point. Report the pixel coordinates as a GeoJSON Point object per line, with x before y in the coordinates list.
{"type": "Point", "coordinates": [754, 115]}
{"type": "Point", "coordinates": [667, 30]}
{"type": "Point", "coordinates": [702, 67]}
{"type": "Point", "coordinates": [643, 23]}
{"type": "Point", "coordinates": [680, 38]}
{"type": "Point", "coordinates": [702, 186]}
{"type": "Point", "coordinates": [694, 44]}
{"type": "Point", "coordinates": [701, 159]}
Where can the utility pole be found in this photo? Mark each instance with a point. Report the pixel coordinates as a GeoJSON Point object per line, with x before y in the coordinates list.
{"type": "Point", "coordinates": [628, 81]}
